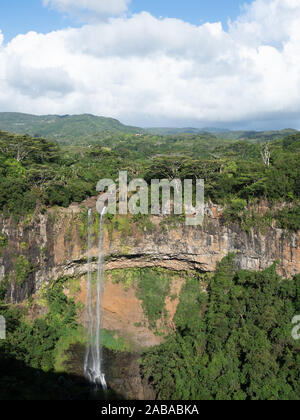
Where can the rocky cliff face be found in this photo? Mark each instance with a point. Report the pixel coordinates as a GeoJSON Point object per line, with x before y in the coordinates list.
{"type": "Point", "coordinates": [53, 245]}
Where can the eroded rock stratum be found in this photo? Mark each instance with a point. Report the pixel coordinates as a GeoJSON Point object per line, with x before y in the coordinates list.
{"type": "Point", "coordinates": [148, 262]}
{"type": "Point", "coordinates": [53, 245]}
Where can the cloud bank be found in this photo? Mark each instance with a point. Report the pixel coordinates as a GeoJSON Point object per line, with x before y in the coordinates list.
{"type": "Point", "coordinates": [148, 71]}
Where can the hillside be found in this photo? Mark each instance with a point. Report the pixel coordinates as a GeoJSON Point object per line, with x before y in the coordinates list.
{"type": "Point", "coordinates": [82, 129]}
{"type": "Point", "coordinates": [256, 136]}
{"type": "Point", "coordinates": [169, 131]}
{"type": "Point", "coordinates": [61, 127]}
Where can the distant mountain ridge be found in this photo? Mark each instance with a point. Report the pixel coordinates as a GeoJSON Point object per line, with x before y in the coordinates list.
{"type": "Point", "coordinates": [224, 133]}
{"type": "Point", "coordinates": [169, 131]}
{"type": "Point", "coordinates": [166, 131]}
{"type": "Point", "coordinates": [61, 126]}
{"type": "Point", "coordinates": [68, 127]}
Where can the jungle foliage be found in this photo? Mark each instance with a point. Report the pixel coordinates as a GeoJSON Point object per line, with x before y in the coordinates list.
{"type": "Point", "coordinates": [34, 342]}
{"type": "Point", "coordinates": [233, 342]}
{"type": "Point", "coordinates": [31, 346]}
{"type": "Point", "coordinates": [36, 173]}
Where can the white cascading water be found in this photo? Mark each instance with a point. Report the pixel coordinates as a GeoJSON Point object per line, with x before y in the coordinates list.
{"type": "Point", "coordinates": [93, 357]}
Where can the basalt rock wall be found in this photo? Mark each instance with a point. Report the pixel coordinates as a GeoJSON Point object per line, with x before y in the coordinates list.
{"type": "Point", "coordinates": [53, 245]}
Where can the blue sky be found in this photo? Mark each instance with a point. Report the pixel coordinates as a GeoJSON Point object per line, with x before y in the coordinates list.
{"type": "Point", "coordinates": [148, 71]}
{"type": "Point", "coordinates": [194, 11]}
{"type": "Point", "coordinates": [22, 16]}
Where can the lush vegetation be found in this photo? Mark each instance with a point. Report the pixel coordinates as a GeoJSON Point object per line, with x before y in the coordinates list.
{"type": "Point", "coordinates": [36, 173]}
{"type": "Point", "coordinates": [32, 347]}
{"type": "Point", "coordinates": [41, 357]}
{"type": "Point", "coordinates": [66, 128]}
{"type": "Point", "coordinates": [35, 342]}
{"type": "Point", "coordinates": [233, 334]}
{"type": "Point", "coordinates": [233, 341]}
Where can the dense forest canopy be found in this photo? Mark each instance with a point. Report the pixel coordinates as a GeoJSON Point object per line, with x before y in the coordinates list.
{"type": "Point", "coordinates": [233, 341]}
{"type": "Point", "coordinates": [36, 172]}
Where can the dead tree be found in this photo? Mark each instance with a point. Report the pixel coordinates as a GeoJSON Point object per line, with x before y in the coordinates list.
{"type": "Point", "coordinates": [266, 155]}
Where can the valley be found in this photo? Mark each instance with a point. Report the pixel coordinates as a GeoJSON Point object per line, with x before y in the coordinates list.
{"type": "Point", "coordinates": [219, 298]}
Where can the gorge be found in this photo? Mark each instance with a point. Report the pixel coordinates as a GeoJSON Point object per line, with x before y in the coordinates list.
{"type": "Point", "coordinates": [147, 263]}
{"type": "Point", "coordinates": [65, 243]}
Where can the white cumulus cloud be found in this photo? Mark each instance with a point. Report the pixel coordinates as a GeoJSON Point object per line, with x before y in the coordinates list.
{"type": "Point", "coordinates": [150, 71]}
{"type": "Point", "coordinates": [271, 22]}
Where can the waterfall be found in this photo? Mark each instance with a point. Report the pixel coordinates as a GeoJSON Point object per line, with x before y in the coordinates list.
{"type": "Point", "coordinates": [93, 356]}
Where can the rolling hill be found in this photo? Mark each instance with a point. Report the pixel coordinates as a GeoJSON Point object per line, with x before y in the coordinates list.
{"type": "Point", "coordinates": [76, 129]}
{"type": "Point", "coordinates": [224, 133]}
{"type": "Point", "coordinates": [62, 127]}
